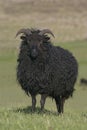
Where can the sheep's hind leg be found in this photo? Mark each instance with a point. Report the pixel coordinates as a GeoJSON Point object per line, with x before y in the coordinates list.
{"type": "Point", "coordinates": [60, 104]}
{"type": "Point", "coordinates": [33, 102]}
{"type": "Point", "coordinates": [42, 101]}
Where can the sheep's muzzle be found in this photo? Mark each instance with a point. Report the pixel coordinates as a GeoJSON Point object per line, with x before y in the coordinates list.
{"type": "Point", "coordinates": [33, 53]}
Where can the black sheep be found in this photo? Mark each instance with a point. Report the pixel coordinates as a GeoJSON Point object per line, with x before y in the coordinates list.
{"type": "Point", "coordinates": [83, 81]}
{"type": "Point", "coordinates": [45, 69]}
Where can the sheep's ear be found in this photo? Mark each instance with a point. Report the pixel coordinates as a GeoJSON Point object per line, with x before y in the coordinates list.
{"type": "Point", "coordinates": [23, 38]}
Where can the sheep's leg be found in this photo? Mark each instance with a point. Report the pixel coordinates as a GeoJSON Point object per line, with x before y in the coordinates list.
{"type": "Point", "coordinates": [33, 102]}
{"type": "Point", "coordinates": [60, 104]}
{"type": "Point", "coordinates": [57, 100]}
{"type": "Point", "coordinates": [42, 101]}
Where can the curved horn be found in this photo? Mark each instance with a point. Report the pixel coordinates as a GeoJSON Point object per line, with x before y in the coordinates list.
{"type": "Point", "coordinates": [25, 31]}
{"type": "Point", "coordinates": [46, 31]}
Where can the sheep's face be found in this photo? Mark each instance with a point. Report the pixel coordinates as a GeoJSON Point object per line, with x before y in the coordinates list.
{"type": "Point", "coordinates": [35, 43]}
{"type": "Point", "coordinates": [35, 40]}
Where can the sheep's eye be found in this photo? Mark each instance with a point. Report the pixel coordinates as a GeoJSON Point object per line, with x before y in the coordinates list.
{"type": "Point", "coordinates": [29, 40]}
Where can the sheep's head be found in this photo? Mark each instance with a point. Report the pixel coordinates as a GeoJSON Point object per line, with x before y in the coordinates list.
{"type": "Point", "coordinates": [35, 39]}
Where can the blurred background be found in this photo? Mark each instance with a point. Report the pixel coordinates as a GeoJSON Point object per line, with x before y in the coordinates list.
{"type": "Point", "coordinates": [68, 21]}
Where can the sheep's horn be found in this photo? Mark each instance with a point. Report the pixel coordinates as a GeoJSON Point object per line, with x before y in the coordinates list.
{"type": "Point", "coordinates": [25, 31]}
{"type": "Point", "coordinates": [46, 31]}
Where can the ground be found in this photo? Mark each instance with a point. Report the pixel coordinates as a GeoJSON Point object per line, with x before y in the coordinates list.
{"type": "Point", "coordinates": [68, 22]}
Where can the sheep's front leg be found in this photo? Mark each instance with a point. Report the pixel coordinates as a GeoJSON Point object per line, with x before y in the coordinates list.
{"type": "Point", "coordinates": [33, 102]}
{"type": "Point", "coordinates": [42, 101]}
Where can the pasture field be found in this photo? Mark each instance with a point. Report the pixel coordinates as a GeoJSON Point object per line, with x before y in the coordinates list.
{"type": "Point", "coordinates": [23, 119]}
{"type": "Point", "coordinates": [15, 110]}
{"type": "Point", "coordinates": [68, 21]}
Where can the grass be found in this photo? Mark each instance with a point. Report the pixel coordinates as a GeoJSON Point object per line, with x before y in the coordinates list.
{"type": "Point", "coordinates": [11, 119]}
{"type": "Point", "coordinates": [68, 22]}
{"type": "Point", "coordinates": [67, 19]}
{"type": "Point", "coordinates": [15, 110]}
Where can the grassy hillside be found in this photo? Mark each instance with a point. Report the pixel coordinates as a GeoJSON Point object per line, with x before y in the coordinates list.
{"type": "Point", "coordinates": [68, 21]}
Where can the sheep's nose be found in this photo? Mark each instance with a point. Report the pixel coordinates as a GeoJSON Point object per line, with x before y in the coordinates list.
{"type": "Point", "coordinates": [34, 53]}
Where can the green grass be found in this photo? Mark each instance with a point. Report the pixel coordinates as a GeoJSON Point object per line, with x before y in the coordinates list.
{"type": "Point", "coordinates": [69, 23]}
{"type": "Point", "coordinates": [15, 110]}
{"type": "Point", "coordinates": [23, 119]}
